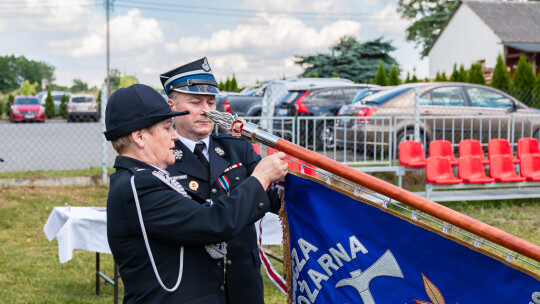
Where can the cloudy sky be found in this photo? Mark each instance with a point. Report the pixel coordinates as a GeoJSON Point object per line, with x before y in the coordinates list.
{"type": "Point", "coordinates": [254, 39]}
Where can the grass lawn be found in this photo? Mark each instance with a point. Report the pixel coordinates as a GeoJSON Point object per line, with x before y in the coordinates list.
{"type": "Point", "coordinates": [30, 271]}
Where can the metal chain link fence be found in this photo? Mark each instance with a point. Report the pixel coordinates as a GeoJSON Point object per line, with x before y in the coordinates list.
{"type": "Point", "coordinates": [364, 137]}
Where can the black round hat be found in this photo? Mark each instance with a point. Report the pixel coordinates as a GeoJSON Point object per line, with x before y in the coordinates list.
{"type": "Point", "coordinates": [134, 108]}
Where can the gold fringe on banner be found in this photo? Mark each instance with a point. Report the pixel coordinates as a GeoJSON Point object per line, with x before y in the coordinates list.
{"type": "Point", "coordinates": [286, 250]}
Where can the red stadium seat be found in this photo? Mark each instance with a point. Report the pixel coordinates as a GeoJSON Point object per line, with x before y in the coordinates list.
{"type": "Point", "coordinates": [411, 154]}
{"type": "Point", "coordinates": [442, 148]}
{"type": "Point", "coordinates": [530, 167]}
{"type": "Point", "coordinates": [471, 170]}
{"type": "Point", "coordinates": [439, 171]}
{"type": "Point", "coordinates": [501, 167]}
{"type": "Point", "coordinates": [526, 146]}
{"type": "Point", "coordinates": [500, 146]}
{"type": "Point", "coordinates": [472, 147]}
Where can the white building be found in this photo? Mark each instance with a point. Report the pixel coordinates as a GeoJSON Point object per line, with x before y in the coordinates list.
{"type": "Point", "coordinates": [478, 31]}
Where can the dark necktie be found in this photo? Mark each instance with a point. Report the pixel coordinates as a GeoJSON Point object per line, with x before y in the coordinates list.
{"type": "Point", "coordinates": [200, 155]}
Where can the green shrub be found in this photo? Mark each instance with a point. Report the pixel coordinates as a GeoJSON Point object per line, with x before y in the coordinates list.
{"type": "Point", "coordinates": [523, 83]}
{"type": "Point", "coordinates": [8, 104]}
{"type": "Point", "coordinates": [476, 75]}
{"type": "Point", "coordinates": [462, 74]}
{"type": "Point", "coordinates": [455, 74]}
{"type": "Point", "coordinates": [393, 77]}
{"type": "Point", "coordinates": [49, 106]}
{"type": "Point", "coordinates": [380, 78]}
{"type": "Point", "coordinates": [501, 77]}
{"type": "Point", "coordinates": [63, 106]}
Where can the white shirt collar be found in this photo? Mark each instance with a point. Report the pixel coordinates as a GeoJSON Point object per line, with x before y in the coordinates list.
{"type": "Point", "coordinates": [190, 144]}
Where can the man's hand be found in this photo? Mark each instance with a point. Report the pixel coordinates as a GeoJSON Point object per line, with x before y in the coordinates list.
{"type": "Point", "coordinates": [270, 169]}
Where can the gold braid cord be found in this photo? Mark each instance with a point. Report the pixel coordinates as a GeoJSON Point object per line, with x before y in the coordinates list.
{"type": "Point", "coordinates": [286, 250]}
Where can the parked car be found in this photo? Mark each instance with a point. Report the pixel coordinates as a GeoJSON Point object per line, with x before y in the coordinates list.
{"type": "Point", "coordinates": [367, 92]}
{"type": "Point", "coordinates": [320, 99]}
{"type": "Point", "coordinates": [246, 103]}
{"type": "Point", "coordinates": [375, 117]}
{"type": "Point", "coordinates": [82, 107]}
{"type": "Point", "coordinates": [56, 96]}
{"type": "Point", "coordinates": [26, 108]}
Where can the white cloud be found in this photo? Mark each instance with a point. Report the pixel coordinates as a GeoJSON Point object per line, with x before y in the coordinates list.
{"type": "Point", "coordinates": [389, 22]}
{"type": "Point", "coordinates": [264, 49]}
{"type": "Point", "coordinates": [277, 35]}
{"type": "Point", "coordinates": [130, 34]}
{"type": "Point", "coordinates": [285, 6]}
{"type": "Point", "coordinates": [49, 15]}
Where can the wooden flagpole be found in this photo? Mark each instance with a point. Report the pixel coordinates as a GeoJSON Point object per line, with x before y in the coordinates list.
{"type": "Point", "coordinates": [254, 133]}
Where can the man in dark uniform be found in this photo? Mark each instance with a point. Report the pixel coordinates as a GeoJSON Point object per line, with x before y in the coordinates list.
{"type": "Point", "coordinates": [168, 246]}
{"type": "Point", "coordinates": [224, 163]}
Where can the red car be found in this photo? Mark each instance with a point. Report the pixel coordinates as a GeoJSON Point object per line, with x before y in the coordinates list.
{"type": "Point", "coordinates": [27, 108]}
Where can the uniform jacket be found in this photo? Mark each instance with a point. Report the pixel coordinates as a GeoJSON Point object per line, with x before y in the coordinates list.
{"type": "Point", "coordinates": [232, 161]}
{"type": "Point", "coordinates": [173, 220]}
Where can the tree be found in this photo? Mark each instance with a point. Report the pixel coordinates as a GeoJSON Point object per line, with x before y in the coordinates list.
{"type": "Point", "coordinates": [126, 81]}
{"type": "Point", "coordinates": [15, 70]}
{"type": "Point", "coordinates": [62, 111]}
{"type": "Point", "coordinates": [49, 106]}
{"type": "Point", "coordinates": [9, 103]}
{"type": "Point", "coordinates": [476, 75]}
{"type": "Point", "coordinates": [114, 78]}
{"type": "Point", "coordinates": [414, 79]}
{"type": "Point", "coordinates": [234, 84]}
{"type": "Point", "coordinates": [501, 77]}
{"type": "Point", "coordinates": [437, 77]}
{"type": "Point", "coordinates": [462, 74]}
{"type": "Point", "coordinates": [228, 84]}
{"type": "Point", "coordinates": [428, 19]}
{"type": "Point", "coordinates": [455, 74]}
{"type": "Point", "coordinates": [79, 86]}
{"type": "Point", "coordinates": [443, 76]}
{"type": "Point", "coordinates": [380, 78]}
{"type": "Point", "coordinates": [28, 88]}
{"type": "Point", "coordinates": [408, 79]}
{"type": "Point", "coordinates": [98, 100]}
{"type": "Point", "coordinates": [536, 93]}
{"type": "Point", "coordinates": [350, 59]}
{"type": "Point", "coordinates": [523, 82]}
{"type": "Point", "coordinates": [393, 77]}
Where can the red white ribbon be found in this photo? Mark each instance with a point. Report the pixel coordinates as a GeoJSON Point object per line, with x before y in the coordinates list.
{"type": "Point", "coordinates": [273, 275]}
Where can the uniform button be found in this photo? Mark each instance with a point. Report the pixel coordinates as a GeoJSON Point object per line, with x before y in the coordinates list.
{"type": "Point", "coordinates": [238, 178]}
{"type": "Point", "coordinates": [208, 200]}
{"type": "Point", "coordinates": [222, 287]}
{"type": "Point", "coordinates": [261, 205]}
{"type": "Point", "coordinates": [219, 264]}
{"type": "Point", "coordinates": [229, 262]}
{"type": "Point", "coordinates": [214, 191]}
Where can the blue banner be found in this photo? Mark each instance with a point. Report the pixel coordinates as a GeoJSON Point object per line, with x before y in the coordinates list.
{"type": "Point", "coordinates": [347, 251]}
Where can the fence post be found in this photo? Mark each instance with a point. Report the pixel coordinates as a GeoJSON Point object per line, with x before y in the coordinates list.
{"type": "Point", "coordinates": [416, 115]}
{"type": "Point", "coordinates": [104, 100]}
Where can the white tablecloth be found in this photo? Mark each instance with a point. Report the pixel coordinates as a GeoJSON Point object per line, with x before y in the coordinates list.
{"type": "Point", "coordinates": [86, 228]}
{"type": "Point", "coordinates": [78, 228]}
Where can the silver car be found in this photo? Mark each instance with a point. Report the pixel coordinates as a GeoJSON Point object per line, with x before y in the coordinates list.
{"type": "Point", "coordinates": [82, 107]}
{"type": "Point", "coordinates": [447, 110]}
